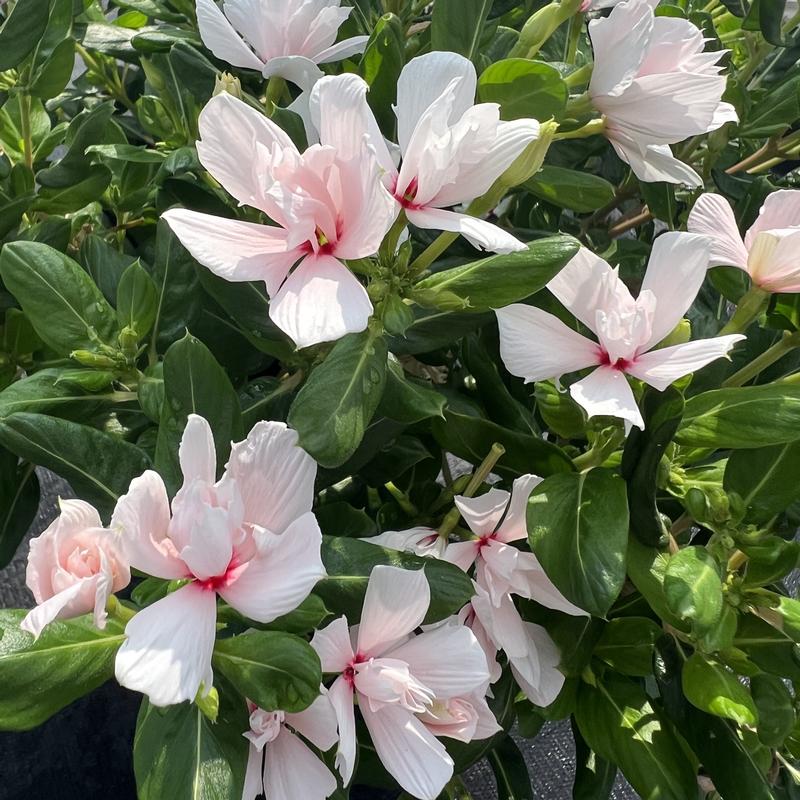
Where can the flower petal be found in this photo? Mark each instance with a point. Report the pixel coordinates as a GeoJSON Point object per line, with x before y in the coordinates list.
{"type": "Point", "coordinates": [422, 82]}
{"type": "Point", "coordinates": [339, 111]}
{"type": "Point", "coordinates": [281, 574]}
{"type": "Point", "coordinates": [712, 216]}
{"type": "Point", "coordinates": [515, 524]}
{"type": "Point", "coordinates": [236, 146]}
{"type": "Point", "coordinates": [538, 675]}
{"type": "Point", "coordinates": [196, 452]}
{"type": "Point", "coordinates": [675, 273]}
{"type": "Point", "coordinates": [483, 513]}
{"type": "Point", "coordinates": [341, 50]}
{"type": "Point", "coordinates": [71, 602]}
{"type": "Point", "coordinates": [320, 301]}
{"type": "Point", "coordinates": [587, 284]}
{"type": "Point", "coordinates": [221, 38]}
{"type": "Point", "coordinates": [141, 523]}
{"type": "Point", "coordinates": [662, 367]}
{"type": "Point", "coordinates": [606, 392]}
{"type": "Point", "coordinates": [412, 755]}
{"type": "Point", "coordinates": [299, 70]}
{"type": "Point", "coordinates": [317, 723]}
{"type": "Point", "coordinates": [167, 654]}
{"type": "Point", "coordinates": [341, 697]}
{"type": "Point", "coordinates": [478, 232]}
{"type": "Point", "coordinates": [291, 770]}
{"type": "Point", "coordinates": [333, 646]}
{"type": "Point", "coordinates": [536, 345]}
{"type": "Point", "coordinates": [652, 163]}
{"type": "Point", "coordinates": [431, 657]}
{"type": "Point", "coordinates": [253, 774]}
{"type": "Point", "coordinates": [273, 475]}
{"type": "Point", "coordinates": [395, 604]}
{"type": "Point", "coordinates": [235, 250]}
{"type": "Point", "coordinates": [781, 209]}
{"type": "Point", "coordinates": [776, 267]}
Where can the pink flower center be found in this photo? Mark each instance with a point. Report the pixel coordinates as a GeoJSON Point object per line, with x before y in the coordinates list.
{"type": "Point", "coordinates": [407, 198]}
{"type": "Point", "coordinates": [622, 364]}
{"type": "Point", "coordinates": [222, 581]}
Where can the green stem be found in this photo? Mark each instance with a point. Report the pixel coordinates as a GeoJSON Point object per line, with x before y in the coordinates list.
{"type": "Point", "coordinates": [389, 244]}
{"type": "Point", "coordinates": [599, 451]}
{"type": "Point", "coordinates": [118, 611]}
{"type": "Point", "coordinates": [573, 37]}
{"type": "Point", "coordinates": [589, 129]}
{"type": "Point", "coordinates": [788, 342]}
{"type": "Point", "coordinates": [579, 76]}
{"type": "Point", "coordinates": [402, 499]}
{"type": "Point", "coordinates": [275, 89]}
{"type": "Point", "coordinates": [25, 125]}
{"type": "Point", "coordinates": [750, 306]}
{"type": "Point", "coordinates": [478, 477]}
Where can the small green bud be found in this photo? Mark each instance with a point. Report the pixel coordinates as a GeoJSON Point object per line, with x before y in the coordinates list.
{"type": "Point", "coordinates": [128, 341]}
{"type": "Point", "coordinates": [680, 334]}
{"type": "Point", "coordinates": [89, 359]}
{"type": "Point", "coordinates": [225, 82]}
{"type": "Point", "coordinates": [208, 704]}
{"type": "Point", "coordinates": [397, 315]}
{"type": "Point", "coordinates": [377, 290]}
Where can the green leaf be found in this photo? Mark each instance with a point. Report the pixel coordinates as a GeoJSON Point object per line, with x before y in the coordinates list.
{"type": "Point", "coordinates": [510, 771]}
{"type": "Point", "coordinates": [457, 25]}
{"type": "Point", "coordinates": [628, 644]}
{"type": "Point", "coordinates": [569, 188]}
{"type": "Point", "coordinates": [775, 705]}
{"type": "Point", "coordinates": [498, 280]}
{"type": "Point", "coordinates": [641, 461]}
{"type": "Point", "coordinates": [45, 392]}
{"type": "Point", "coordinates": [97, 465]}
{"type": "Point", "coordinates": [767, 479]}
{"type": "Point", "coordinates": [40, 677]}
{"type": "Point", "coordinates": [277, 671]}
{"type": "Point", "coordinates": [137, 300]}
{"type": "Point", "coordinates": [128, 153]}
{"type": "Point", "coordinates": [774, 112]}
{"type": "Point", "coordinates": [380, 67]}
{"type": "Point", "coordinates": [471, 438]}
{"type": "Point", "coordinates": [715, 689]}
{"type": "Point", "coordinates": [334, 407]}
{"type": "Point", "coordinates": [693, 587]}
{"type": "Point", "coordinates": [349, 563]}
{"type": "Point", "coordinates": [68, 193]}
{"type": "Point", "coordinates": [195, 383]}
{"type": "Point", "coordinates": [743, 418]}
{"type": "Point", "coordinates": [21, 31]}
{"type": "Point", "coordinates": [561, 414]}
{"type": "Point", "coordinates": [104, 263]}
{"type": "Point", "coordinates": [578, 528]}
{"type": "Point", "coordinates": [620, 724]}
{"type": "Point", "coordinates": [646, 569]}
{"type": "Point", "coordinates": [11, 211]}
{"type": "Point", "coordinates": [766, 16]}
{"type": "Point", "coordinates": [407, 399]}
{"type": "Point", "coordinates": [660, 199]}
{"type": "Point", "coordinates": [594, 776]}
{"type": "Point", "coordinates": [524, 89]}
{"type": "Point", "coordinates": [773, 650]}
{"type": "Point", "coordinates": [19, 501]}
{"type": "Point", "coordinates": [179, 754]}
{"type": "Point", "coordinates": [306, 618]}
{"type": "Point", "coordinates": [62, 302]}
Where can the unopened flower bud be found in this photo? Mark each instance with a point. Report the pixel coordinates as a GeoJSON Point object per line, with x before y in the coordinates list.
{"type": "Point", "coordinates": [225, 82]}
{"type": "Point", "coordinates": [90, 359]}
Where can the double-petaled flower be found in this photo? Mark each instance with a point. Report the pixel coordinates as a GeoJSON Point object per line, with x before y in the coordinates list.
{"type": "Point", "coordinates": [769, 251]}
{"type": "Point", "coordinates": [74, 566]}
{"type": "Point", "coordinates": [280, 765]}
{"type": "Point", "coordinates": [452, 150]}
{"type": "Point", "coordinates": [536, 345]}
{"type": "Point", "coordinates": [249, 538]}
{"type": "Point", "coordinates": [655, 86]}
{"type": "Point", "coordinates": [287, 38]}
{"type": "Point", "coordinates": [410, 687]}
{"type": "Point", "coordinates": [327, 208]}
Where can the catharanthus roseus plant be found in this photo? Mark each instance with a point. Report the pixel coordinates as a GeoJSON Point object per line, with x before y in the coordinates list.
{"type": "Point", "coordinates": [421, 371]}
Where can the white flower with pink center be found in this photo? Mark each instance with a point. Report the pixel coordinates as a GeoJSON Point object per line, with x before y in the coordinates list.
{"type": "Point", "coordinates": [249, 538]}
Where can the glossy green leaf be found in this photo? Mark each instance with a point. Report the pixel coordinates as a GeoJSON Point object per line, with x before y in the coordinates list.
{"type": "Point", "coordinates": [715, 689]}
{"type": "Point", "coordinates": [349, 563]}
{"type": "Point", "coordinates": [775, 706]}
{"type": "Point", "coordinates": [408, 399]}
{"type": "Point", "coordinates": [21, 31]}
{"type": "Point", "coordinates": [524, 89]}
{"type": "Point", "coordinates": [693, 587]}
{"type": "Point", "coordinates": [277, 671]}
{"type": "Point", "coordinates": [620, 724]}
{"type": "Point", "coordinates": [457, 25]}
{"type": "Point", "coordinates": [40, 677]}
{"type": "Point", "coordinates": [570, 188]}
{"type": "Point", "coordinates": [496, 281]}
{"type": "Point", "coordinates": [19, 502]}
{"type": "Point", "coordinates": [578, 528]}
{"type": "Point", "coordinates": [137, 300]}
{"type": "Point", "coordinates": [628, 645]}
{"type": "Point", "coordinates": [380, 67]}
{"type": "Point", "coordinates": [510, 771]}
{"type": "Point", "coordinates": [332, 410]}
{"type": "Point", "coordinates": [62, 302]}
{"type": "Point", "coordinates": [594, 776]}
{"type": "Point", "coordinates": [742, 418]}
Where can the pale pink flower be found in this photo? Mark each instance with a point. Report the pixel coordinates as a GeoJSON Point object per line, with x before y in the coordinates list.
{"type": "Point", "coordinates": [769, 252]}
{"type": "Point", "coordinates": [250, 538]}
{"type": "Point", "coordinates": [280, 765]}
{"type": "Point", "coordinates": [326, 208]}
{"type": "Point", "coordinates": [655, 86]}
{"type": "Point", "coordinates": [420, 541]}
{"type": "Point", "coordinates": [452, 150]}
{"type": "Point", "coordinates": [596, 5]}
{"type": "Point", "coordinates": [498, 519]}
{"type": "Point", "coordinates": [409, 687]}
{"type": "Point", "coordinates": [288, 38]}
{"type": "Point", "coordinates": [538, 346]}
{"type": "Point", "coordinates": [74, 566]}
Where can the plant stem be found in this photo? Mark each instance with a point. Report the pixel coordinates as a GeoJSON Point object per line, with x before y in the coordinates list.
{"type": "Point", "coordinates": [787, 343]}
{"type": "Point", "coordinates": [573, 37]}
{"type": "Point", "coordinates": [275, 88]}
{"type": "Point", "coordinates": [402, 499]}
{"type": "Point", "coordinates": [389, 244]}
{"type": "Point", "coordinates": [25, 125]}
{"type": "Point", "coordinates": [599, 451]}
{"type": "Point", "coordinates": [478, 477]}
{"type": "Point", "coordinates": [750, 306]}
